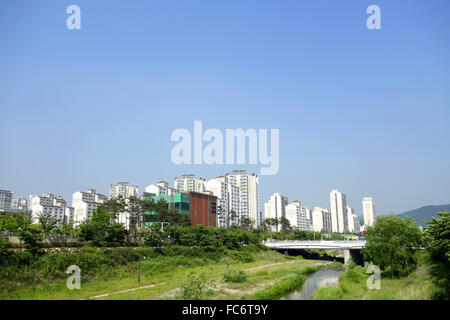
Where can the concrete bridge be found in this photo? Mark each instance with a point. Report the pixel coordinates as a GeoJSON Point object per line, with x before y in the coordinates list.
{"type": "Point", "coordinates": [349, 247]}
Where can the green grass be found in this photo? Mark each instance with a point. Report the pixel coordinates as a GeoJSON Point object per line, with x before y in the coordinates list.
{"type": "Point", "coordinates": [113, 270]}
{"type": "Point", "coordinates": [353, 286]}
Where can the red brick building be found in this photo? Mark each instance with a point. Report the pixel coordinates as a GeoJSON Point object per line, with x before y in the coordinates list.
{"type": "Point", "coordinates": [202, 208]}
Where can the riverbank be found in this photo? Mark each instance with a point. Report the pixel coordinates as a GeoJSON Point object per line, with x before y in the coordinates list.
{"type": "Point", "coordinates": [353, 286]}
{"type": "Point", "coordinates": [113, 273]}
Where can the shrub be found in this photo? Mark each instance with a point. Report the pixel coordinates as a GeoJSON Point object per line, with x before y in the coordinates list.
{"type": "Point", "coordinates": [235, 276]}
{"type": "Point", "coordinates": [195, 288]}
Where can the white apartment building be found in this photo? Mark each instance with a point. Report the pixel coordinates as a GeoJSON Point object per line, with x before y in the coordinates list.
{"type": "Point", "coordinates": [248, 188]}
{"type": "Point", "coordinates": [161, 188]}
{"type": "Point", "coordinates": [5, 200]}
{"type": "Point", "coordinates": [276, 208]}
{"type": "Point", "coordinates": [123, 189]}
{"type": "Point", "coordinates": [228, 197]}
{"type": "Point", "coordinates": [51, 205]}
{"type": "Point", "coordinates": [369, 211]}
{"type": "Point", "coordinates": [84, 204]}
{"type": "Point", "coordinates": [19, 204]}
{"type": "Point", "coordinates": [298, 216]}
{"type": "Point", "coordinates": [189, 183]}
{"type": "Point", "coordinates": [321, 220]}
{"type": "Point", "coordinates": [70, 212]}
{"type": "Point", "coordinates": [338, 205]}
{"type": "Point", "coordinates": [353, 220]}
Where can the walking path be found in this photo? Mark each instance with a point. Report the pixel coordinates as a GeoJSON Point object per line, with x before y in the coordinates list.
{"type": "Point", "coordinates": [127, 290]}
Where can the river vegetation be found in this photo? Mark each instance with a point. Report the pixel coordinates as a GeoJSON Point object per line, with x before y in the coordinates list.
{"type": "Point", "coordinates": [414, 265]}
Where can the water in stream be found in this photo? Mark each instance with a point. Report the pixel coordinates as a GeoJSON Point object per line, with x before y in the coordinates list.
{"type": "Point", "coordinates": [319, 279]}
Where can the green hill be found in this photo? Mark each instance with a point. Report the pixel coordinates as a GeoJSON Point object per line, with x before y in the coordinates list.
{"type": "Point", "coordinates": [424, 214]}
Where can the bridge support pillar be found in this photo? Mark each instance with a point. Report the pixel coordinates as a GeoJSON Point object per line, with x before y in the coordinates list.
{"type": "Point", "coordinates": [346, 256]}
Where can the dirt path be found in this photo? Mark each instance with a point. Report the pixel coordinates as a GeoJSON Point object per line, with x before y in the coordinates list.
{"type": "Point", "coordinates": [127, 290]}
{"type": "Point", "coordinates": [365, 296]}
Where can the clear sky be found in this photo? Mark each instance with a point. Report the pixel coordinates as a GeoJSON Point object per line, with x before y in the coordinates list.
{"type": "Point", "coordinates": [363, 111]}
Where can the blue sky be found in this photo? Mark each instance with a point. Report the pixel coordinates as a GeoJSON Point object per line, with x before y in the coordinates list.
{"type": "Point", "coordinates": [363, 111]}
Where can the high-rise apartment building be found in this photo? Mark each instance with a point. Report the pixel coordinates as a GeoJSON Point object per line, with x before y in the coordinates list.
{"type": "Point", "coordinates": [189, 183]}
{"type": "Point", "coordinates": [5, 200]}
{"type": "Point", "coordinates": [248, 185]}
{"type": "Point", "coordinates": [276, 208]}
{"type": "Point", "coordinates": [228, 200]}
{"type": "Point", "coordinates": [160, 188]}
{"type": "Point", "coordinates": [353, 220]}
{"type": "Point", "coordinates": [321, 220]}
{"type": "Point", "coordinates": [338, 205]}
{"type": "Point", "coordinates": [369, 211]}
{"type": "Point", "coordinates": [50, 205]}
{"type": "Point", "coordinates": [19, 204]}
{"type": "Point", "coordinates": [84, 204]}
{"type": "Point", "coordinates": [298, 216]}
{"type": "Point", "coordinates": [123, 189]}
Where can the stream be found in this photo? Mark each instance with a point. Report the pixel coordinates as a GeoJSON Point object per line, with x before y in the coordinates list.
{"type": "Point", "coordinates": [319, 279]}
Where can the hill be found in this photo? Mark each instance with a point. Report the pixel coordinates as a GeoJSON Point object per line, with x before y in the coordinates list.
{"type": "Point", "coordinates": [424, 214]}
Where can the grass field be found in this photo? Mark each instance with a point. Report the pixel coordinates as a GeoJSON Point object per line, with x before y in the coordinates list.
{"type": "Point", "coordinates": [268, 275]}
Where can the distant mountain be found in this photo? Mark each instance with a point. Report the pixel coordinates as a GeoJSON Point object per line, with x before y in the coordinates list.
{"type": "Point", "coordinates": [424, 214]}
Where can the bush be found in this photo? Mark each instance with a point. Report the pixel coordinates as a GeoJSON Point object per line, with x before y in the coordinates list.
{"type": "Point", "coordinates": [195, 288]}
{"type": "Point", "coordinates": [235, 276]}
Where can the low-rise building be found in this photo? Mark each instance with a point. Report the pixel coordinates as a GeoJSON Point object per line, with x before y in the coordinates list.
{"type": "Point", "coordinates": [202, 207]}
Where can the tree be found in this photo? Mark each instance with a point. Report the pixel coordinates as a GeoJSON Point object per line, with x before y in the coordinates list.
{"type": "Point", "coordinates": [234, 217]}
{"type": "Point", "coordinates": [48, 224]}
{"type": "Point", "coordinates": [437, 243]}
{"type": "Point", "coordinates": [394, 243]}
{"type": "Point", "coordinates": [285, 225]}
{"type": "Point", "coordinates": [221, 216]}
{"type": "Point", "coordinates": [101, 230]}
{"type": "Point", "coordinates": [173, 217]}
{"type": "Point", "coordinates": [272, 222]}
{"type": "Point", "coordinates": [13, 222]}
{"type": "Point", "coordinates": [154, 238]}
{"type": "Point", "coordinates": [32, 237]}
{"type": "Point", "coordinates": [247, 223]}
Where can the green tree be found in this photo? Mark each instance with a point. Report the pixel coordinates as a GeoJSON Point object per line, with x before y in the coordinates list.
{"type": "Point", "coordinates": [247, 223]}
{"type": "Point", "coordinates": [173, 217]}
{"type": "Point", "coordinates": [394, 243]}
{"type": "Point", "coordinates": [102, 228]}
{"type": "Point", "coordinates": [285, 225]}
{"type": "Point", "coordinates": [32, 237]}
{"type": "Point", "coordinates": [437, 243]}
{"type": "Point", "coordinates": [221, 216]}
{"type": "Point", "coordinates": [13, 222]}
{"type": "Point", "coordinates": [48, 224]}
{"type": "Point", "coordinates": [154, 238]}
{"type": "Point", "coordinates": [234, 219]}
